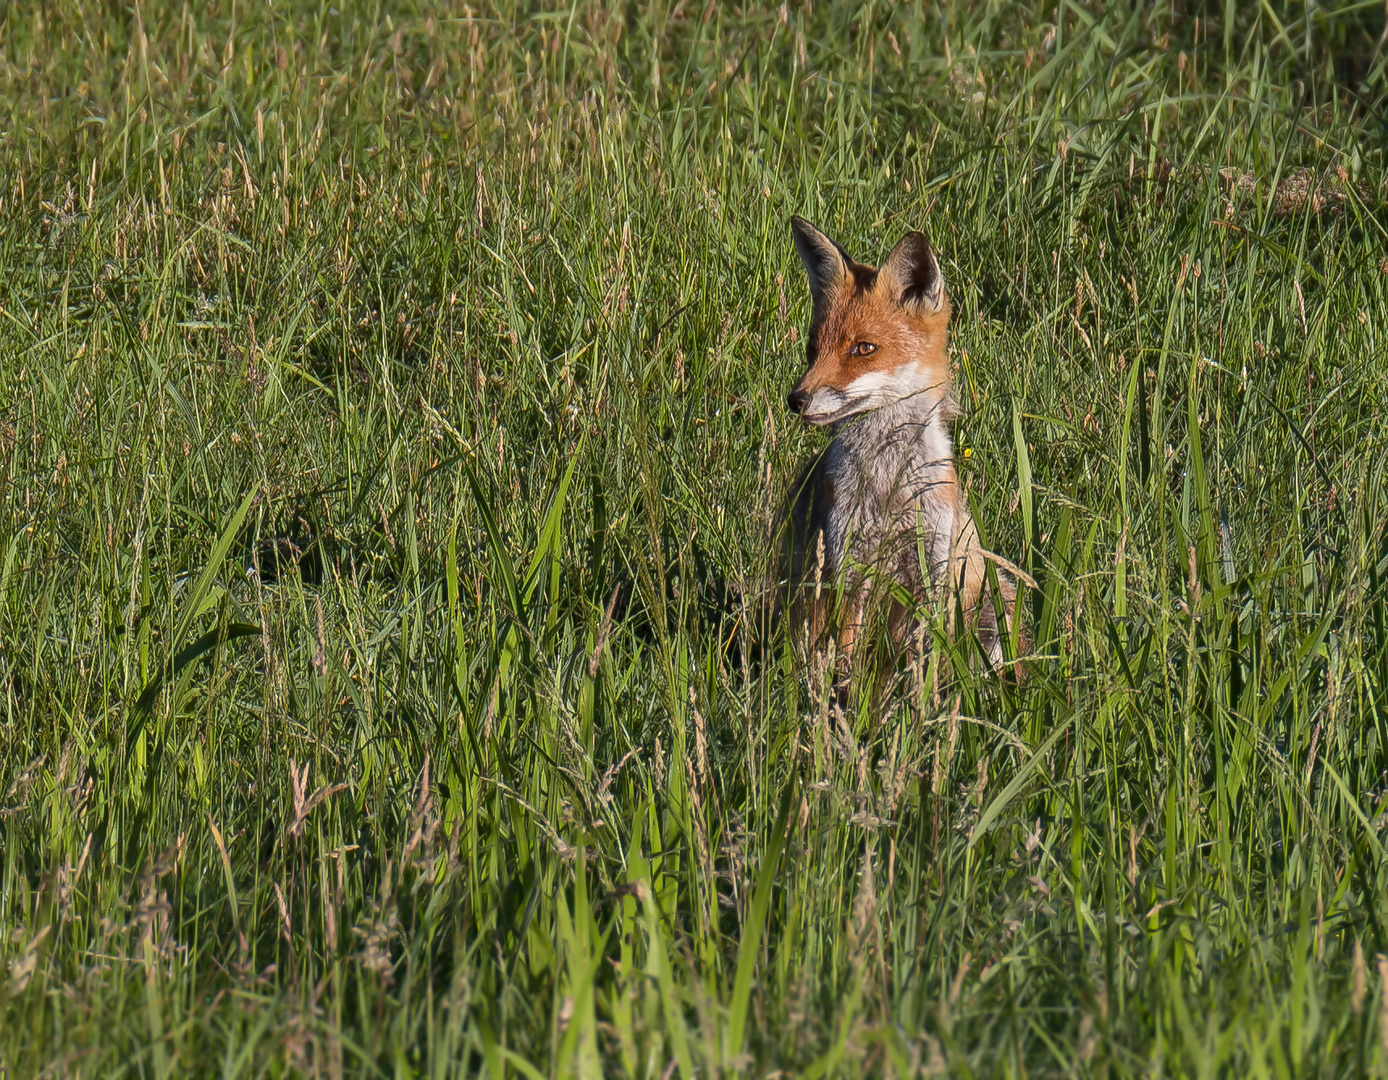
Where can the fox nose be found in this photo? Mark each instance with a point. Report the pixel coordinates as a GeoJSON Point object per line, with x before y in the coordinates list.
{"type": "Point", "coordinates": [797, 400]}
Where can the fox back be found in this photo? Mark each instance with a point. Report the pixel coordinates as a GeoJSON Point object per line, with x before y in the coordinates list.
{"type": "Point", "coordinates": [882, 502]}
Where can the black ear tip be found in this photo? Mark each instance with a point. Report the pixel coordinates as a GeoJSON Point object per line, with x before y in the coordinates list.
{"type": "Point", "coordinates": [799, 225]}
{"type": "Point", "coordinates": [917, 240]}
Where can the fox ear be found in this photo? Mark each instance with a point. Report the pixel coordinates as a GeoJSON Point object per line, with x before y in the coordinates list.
{"type": "Point", "coordinates": [912, 275]}
{"type": "Point", "coordinates": [826, 264]}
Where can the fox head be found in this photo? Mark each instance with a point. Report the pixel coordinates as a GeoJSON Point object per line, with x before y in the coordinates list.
{"type": "Point", "coordinates": [877, 334]}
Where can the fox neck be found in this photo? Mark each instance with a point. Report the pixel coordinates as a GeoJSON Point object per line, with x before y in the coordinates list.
{"type": "Point", "coordinates": [899, 454]}
{"type": "Point", "coordinates": [904, 452]}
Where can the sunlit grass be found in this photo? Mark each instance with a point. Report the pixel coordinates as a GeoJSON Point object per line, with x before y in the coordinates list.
{"type": "Point", "coordinates": [392, 407]}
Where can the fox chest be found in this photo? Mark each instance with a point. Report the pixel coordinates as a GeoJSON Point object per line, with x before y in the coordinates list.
{"type": "Point", "coordinates": [887, 502]}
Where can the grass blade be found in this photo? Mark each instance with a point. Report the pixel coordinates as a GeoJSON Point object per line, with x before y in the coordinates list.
{"type": "Point", "coordinates": [749, 949]}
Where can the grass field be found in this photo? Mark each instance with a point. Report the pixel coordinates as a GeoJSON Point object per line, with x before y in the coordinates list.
{"type": "Point", "coordinates": [393, 426]}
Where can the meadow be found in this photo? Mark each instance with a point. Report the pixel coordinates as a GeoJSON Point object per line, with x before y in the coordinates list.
{"type": "Point", "coordinates": [393, 434]}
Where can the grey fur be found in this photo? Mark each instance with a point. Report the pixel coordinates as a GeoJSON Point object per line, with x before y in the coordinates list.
{"type": "Point", "coordinates": [887, 468]}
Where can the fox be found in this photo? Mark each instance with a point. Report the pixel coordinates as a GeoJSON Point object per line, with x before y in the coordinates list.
{"type": "Point", "coordinates": [881, 505]}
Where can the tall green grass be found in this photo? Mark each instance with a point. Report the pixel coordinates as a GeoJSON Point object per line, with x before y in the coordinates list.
{"type": "Point", "coordinates": [391, 403]}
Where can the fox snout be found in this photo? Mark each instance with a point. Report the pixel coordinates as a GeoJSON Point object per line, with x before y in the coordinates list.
{"type": "Point", "coordinates": [822, 405]}
{"type": "Point", "coordinates": [811, 403]}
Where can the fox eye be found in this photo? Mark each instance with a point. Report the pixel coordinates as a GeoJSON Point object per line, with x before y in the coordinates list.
{"type": "Point", "coordinates": [862, 348]}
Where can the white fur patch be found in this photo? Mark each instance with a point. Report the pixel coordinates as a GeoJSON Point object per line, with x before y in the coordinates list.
{"type": "Point", "coordinates": [824, 405]}
{"type": "Point", "coordinates": [877, 388]}
{"type": "Point", "coordinates": [869, 391]}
